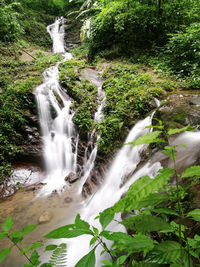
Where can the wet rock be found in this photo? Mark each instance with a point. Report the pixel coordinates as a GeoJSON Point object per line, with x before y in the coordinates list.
{"type": "Point", "coordinates": [45, 217]}
{"type": "Point", "coordinates": [71, 178]}
{"type": "Point", "coordinates": [34, 187]}
{"type": "Point", "coordinates": [68, 200]}
{"type": "Point", "coordinates": [87, 190]}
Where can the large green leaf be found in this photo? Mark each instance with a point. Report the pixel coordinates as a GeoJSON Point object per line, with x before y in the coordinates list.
{"type": "Point", "coordinates": [140, 190]}
{"type": "Point", "coordinates": [175, 131]}
{"type": "Point", "coordinates": [165, 211]}
{"type": "Point", "coordinates": [68, 231]}
{"type": "Point", "coordinates": [146, 222]}
{"type": "Point", "coordinates": [80, 223]}
{"type": "Point", "coordinates": [105, 219]}
{"type": "Point", "coordinates": [165, 253]}
{"type": "Point", "coordinates": [131, 244]}
{"type": "Point", "coordinates": [4, 253]}
{"type": "Point", "coordinates": [195, 214]}
{"type": "Point", "coordinates": [148, 138]}
{"type": "Point", "coordinates": [7, 224]}
{"type": "Point", "coordinates": [192, 171]}
{"type": "Point", "coordinates": [152, 200]}
{"type": "Point", "coordinates": [17, 236]}
{"type": "Point", "coordinates": [72, 230]}
{"type": "Point", "coordinates": [88, 260]}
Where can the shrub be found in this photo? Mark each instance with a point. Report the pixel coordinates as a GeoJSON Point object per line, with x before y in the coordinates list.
{"type": "Point", "coordinates": [184, 50]}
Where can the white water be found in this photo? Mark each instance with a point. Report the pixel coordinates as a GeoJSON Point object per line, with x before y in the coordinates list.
{"type": "Point", "coordinates": [89, 158]}
{"type": "Point", "coordinates": [60, 148]}
{"type": "Point", "coordinates": [59, 136]}
{"type": "Point", "coordinates": [124, 164]}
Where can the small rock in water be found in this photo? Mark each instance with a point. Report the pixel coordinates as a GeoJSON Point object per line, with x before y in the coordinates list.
{"type": "Point", "coordinates": [71, 178]}
{"type": "Point", "coordinates": [45, 217]}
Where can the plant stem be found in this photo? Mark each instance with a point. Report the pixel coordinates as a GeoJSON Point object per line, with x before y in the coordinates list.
{"type": "Point", "coordinates": [18, 247]}
{"type": "Point", "coordinates": [105, 247]}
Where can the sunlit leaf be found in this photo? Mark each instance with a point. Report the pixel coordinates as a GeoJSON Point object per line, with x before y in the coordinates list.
{"type": "Point", "coordinates": [7, 224]}
{"type": "Point", "coordinates": [191, 172]}
{"type": "Point", "coordinates": [195, 214]}
{"type": "Point", "coordinates": [4, 253]}
{"type": "Point", "coordinates": [88, 260]}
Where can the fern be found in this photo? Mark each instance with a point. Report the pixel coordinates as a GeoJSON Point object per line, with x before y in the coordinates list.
{"type": "Point", "coordinates": [59, 256]}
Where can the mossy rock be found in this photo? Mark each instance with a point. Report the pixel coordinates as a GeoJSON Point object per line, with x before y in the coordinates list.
{"type": "Point", "coordinates": [180, 110]}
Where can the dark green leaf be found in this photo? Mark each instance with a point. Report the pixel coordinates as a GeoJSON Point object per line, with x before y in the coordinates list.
{"type": "Point", "coordinates": [4, 253]}
{"type": "Point", "coordinates": [88, 260]}
{"type": "Point", "coordinates": [17, 236]}
{"type": "Point", "coordinates": [130, 244]}
{"type": "Point", "coordinates": [7, 224]}
{"type": "Point", "coordinates": [143, 223]}
{"type": "Point", "coordinates": [165, 211]}
{"type": "Point", "coordinates": [165, 253]}
{"type": "Point", "coordinates": [34, 258]}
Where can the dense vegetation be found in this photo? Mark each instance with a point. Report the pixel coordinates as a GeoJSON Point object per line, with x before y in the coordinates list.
{"type": "Point", "coordinates": [151, 47]}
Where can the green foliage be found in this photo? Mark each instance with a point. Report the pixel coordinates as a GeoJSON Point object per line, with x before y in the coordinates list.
{"type": "Point", "coordinates": [58, 257]}
{"type": "Point", "coordinates": [148, 138]}
{"type": "Point", "coordinates": [165, 252]}
{"type": "Point", "coordinates": [84, 94]}
{"type": "Point", "coordinates": [157, 236]}
{"type": "Point", "coordinates": [191, 172]}
{"type": "Point", "coordinates": [128, 96]}
{"type": "Point", "coordinates": [88, 260]}
{"type": "Point", "coordinates": [184, 50]}
{"type": "Point", "coordinates": [10, 28]}
{"type": "Point", "coordinates": [195, 214]}
{"type": "Point", "coordinates": [69, 231]}
{"type": "Point", "coordinates": [127, 24]}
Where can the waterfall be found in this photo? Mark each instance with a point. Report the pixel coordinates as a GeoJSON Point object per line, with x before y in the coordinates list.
{"type": "Point", "coordinates": [125, 163]}
{"type": "Point", "coordinates": [60, 138]}
{"type": "Point", "coordinates": [61, 142]}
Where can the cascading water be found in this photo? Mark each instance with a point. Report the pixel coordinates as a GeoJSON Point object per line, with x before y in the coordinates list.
{"type": "Point", "coordinates": [59, 136]}
{"type": "Point", "coordinates": [94, 138]}
{"type": "Point", "coordinates": [60, 146]}
{"type": "Point", "coordinates": [124, 164]}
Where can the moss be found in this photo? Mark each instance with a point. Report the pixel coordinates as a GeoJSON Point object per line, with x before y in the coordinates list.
{"type": "Point", "coordinates": [129, 93]}
{"type": "Point", "coordinates": [175, 118]}
{"type": "Point", "coordinates": [82, 91]}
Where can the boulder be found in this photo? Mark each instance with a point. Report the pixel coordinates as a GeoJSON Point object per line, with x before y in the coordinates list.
{"type": "Point", "coordinates": [71, 178]}
{"type": "Point", "coordinates": [45, 217]}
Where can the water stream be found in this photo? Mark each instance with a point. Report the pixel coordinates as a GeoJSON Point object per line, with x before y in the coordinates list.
{"type": "Point", "coordinates": [60, 150]}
